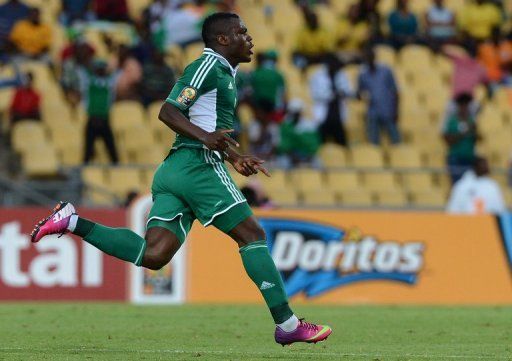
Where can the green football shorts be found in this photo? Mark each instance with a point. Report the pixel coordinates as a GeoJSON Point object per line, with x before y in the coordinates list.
{"type": "Point", "coordinates": [194, 183]}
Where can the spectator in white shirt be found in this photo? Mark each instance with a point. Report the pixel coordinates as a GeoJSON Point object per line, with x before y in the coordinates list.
{"type": "Point", "coordinates": [476, 192]}
{"type": "Point", "coordinates": [440, 25]}
{"type": "Point", "coordinates": [329, 86]}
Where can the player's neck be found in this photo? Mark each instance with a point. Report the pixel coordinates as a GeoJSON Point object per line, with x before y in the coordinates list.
{"type": "Point", "coordinates": [220, 51]}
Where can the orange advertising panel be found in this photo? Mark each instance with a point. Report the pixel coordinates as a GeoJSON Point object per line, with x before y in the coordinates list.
{"type": "Point", "coordinates": [342, 257]}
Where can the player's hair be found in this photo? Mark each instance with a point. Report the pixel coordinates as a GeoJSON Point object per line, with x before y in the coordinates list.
{"type": "Point", "coordinates": [215, 25]}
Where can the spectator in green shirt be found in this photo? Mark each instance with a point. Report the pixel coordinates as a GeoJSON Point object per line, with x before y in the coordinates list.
{"type": "Point", "coordinates": [157, 79]}
{"type": "Point", "coordinates": [460, 134]}
{"type": "Point", "coordinates": [268, 88]}
{"type": "Point", "coordinates": [99, 94]}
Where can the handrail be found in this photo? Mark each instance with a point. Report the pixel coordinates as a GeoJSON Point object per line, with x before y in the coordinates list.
{"type": "Point", "coordinates": [27, 192]}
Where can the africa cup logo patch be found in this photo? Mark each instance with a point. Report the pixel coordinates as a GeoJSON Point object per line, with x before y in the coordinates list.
{"type": "Point", "coordinates": [187, 96]}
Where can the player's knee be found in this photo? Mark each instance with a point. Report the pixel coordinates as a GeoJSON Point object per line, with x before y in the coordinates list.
{"type": "Point", "coordinates": [251, 232]}
{"type": "Point", "coordinates": [156, 262]}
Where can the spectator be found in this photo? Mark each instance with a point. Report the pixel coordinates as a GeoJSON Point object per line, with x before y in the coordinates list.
{"type": "Point", "coordinates": [75, 10]}
{"type": "Point", "coordinates": [255, 195]}
{"type": "Point", "coordinates": [31, 37]}
{"type": "Point", "coordinates": [10, 13]}
{"type": "Point", "coordinates": [25, 102]}
{"type": "Point", "coordinates": [468, 73]}
{"type": "Point", "coordinates": [157, 79]}
{"type": "Point", "coordinates": [403, 25]}
{"type": "Point", "coordinates": [377, 82]}
{"type": "Point", "coordinates": [76, 42]}
{"type": "Point", "coordinates": [351, 33]}
{"type": "Point", "coordinates": [477, 19]}
{"type": "Point", "coordinates": [13, 81]}
{"type": "Point", "coordinates": [368, 12]}
{"type": "Point", "coordinates": [495, 54]}
{"type": "Point", "coordinates": [476, 192]}
{"type": "Point", "coordinates": [129, 74]}
{"type": "Point", "coordinates": [111, 10]}
{"type": "Point", "coordinates": [440, 25]}
{"type": "Point", "coordinates": [299, 140]}
{"type": "Point", "coordinates": [99, 93]}
{"type": "Point", "coordinates": [312, 42]}
{"type": "Point", "coordinates": [329, 86]}
{"type": "Point", "coordinates": [268, 87]}
{"type": "Point", "coordinates": [182, 26]}
{"type": "Point", "coordinates": [73, 67]}
{"type": "Point", "coordinates": [460, 134]}
{"type": "Point", "coordinates": [263, 137]}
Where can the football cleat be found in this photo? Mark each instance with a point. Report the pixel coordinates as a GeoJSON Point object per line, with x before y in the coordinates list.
{"type": "Point", "coordinates": [56, 223]}
{"type": "Point", "coordinates": [305, 332]}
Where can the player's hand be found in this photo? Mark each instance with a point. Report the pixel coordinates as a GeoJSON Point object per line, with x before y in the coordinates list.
{"type": "Point", "coordinates": [219, 140]}
{"type": "Point", "coordinates": [248, 165]}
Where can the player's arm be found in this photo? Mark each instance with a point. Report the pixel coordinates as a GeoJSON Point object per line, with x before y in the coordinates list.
{"type": "Point", "coordinates": [174, 119]}
{"type": "Point", "coordinates": [246, 165]}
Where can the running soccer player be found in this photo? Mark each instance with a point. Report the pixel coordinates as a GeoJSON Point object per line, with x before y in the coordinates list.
{"type": "Point", "coordinates": [193, 182]}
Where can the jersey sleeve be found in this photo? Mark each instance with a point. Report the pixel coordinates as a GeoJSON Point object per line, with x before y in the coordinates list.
{"type": "Point", "coordinates": [197, 79]}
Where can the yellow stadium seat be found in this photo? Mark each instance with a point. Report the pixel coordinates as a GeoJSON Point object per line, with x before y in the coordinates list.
{"type": "Point", "coordinates": [285, 197]}
{"type": "Point", "coordinates": [193, 51]}
{"type": "Point", "coordinates": [27, 134]}
{"type": "Point", "coordinates": [124, 180]}
{"type": "Point", "coordinates": [318, 198]}
{"type": "Point", "coordinates": [391, 198]}
{"type": "Point", "coordinates": [379, 180]}
{"type": "Point", "coordinates": [356, 198]}
{"type": "Point", "coordinates": [94, 176]}
{"type": "Point", "coordinates": [343, 181]}
{"type": "Point", "coordinates": [417, 180]}
{"type": "Point", "coordinates": [153, 155]}
{"type": "Point", "coordinates": [138, 138]}
{"type": "Point", "coordinates": [428, 199]}
{"type": "Point", "coordinates": [386, 55]}
{"type": "Point", "coordinates": [306, 179]}
{"type": "Point", "coordinates": [126, 114]}
{"type": "Point", "coordinates": [277, 182]}
{"type": "Point", "coordinates": [40, 161]}
{"type": "Point", "coordinates": [403, 156]}
{"type": "Point", "coordinates": [333, 155]}
{"type": "Point", "coordinates": [367, 156]}
{"type": "Point", "coordinates": [96, 182]}
{"type": "Point", "coordinates": [416, 57]}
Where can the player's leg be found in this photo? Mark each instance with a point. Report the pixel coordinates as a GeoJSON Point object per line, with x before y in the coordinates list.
{"type": "Point", "coordinates": [155, 250]}
{"type": "Point", "coordinates": [261, 268]}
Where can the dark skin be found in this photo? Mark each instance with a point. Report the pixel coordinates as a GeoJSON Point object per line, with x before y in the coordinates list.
{"type": "Point", "coordinates": [161, 244]}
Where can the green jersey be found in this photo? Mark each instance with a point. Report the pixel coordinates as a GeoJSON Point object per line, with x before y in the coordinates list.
{"type": "Point", "coordinates": [206, 95]}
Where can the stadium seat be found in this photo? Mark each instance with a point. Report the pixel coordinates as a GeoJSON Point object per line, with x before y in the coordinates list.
{"type": "Point", "coordinates": [356, 198]}
{"type": "Point", "coordinates": [306, 179]}
{"type": "Point", "coordinates": [417, 180]}
{"type": "Point", "coordinates": [318, 198]}
{"type": "Point", "coordinates": [40, 161]}
{"type": "Point", "coordinates": [343, 181]}
{"type": "Point", "coordinates": [285, 197]}
{"type": "Point", "coordinates": [379, 180]}
{"type": "Point", "coordinates": [386, 54]}
{"type": "Point", "coordinates": [126, 114]}
{"type": "Point", "coordinates": [152, 155]}
{"type": "Point", "coordinates": [403, 156]}
{"type": "Point", "coordinates": [333, 155]}
{"type": "Point", "coordinates": [391, 198]}
{"type": "Point", "coordinates": [278, 181]}
{"type": "Point", "coordinates": [27, 134]}
{"type": "Point", "coordinates": [428, 199]}
{"type": "Point", "coordinates": [416, 57]}
{"type": "Point", "coordinates": [367, 156]}
{"type": "Point", "coordinates": [124, 180]}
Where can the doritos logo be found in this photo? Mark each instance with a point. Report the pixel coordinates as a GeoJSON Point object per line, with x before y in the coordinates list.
{"type": "Point", "coordinates": [187, 96]}
{"type": "Point", "coordinates": [315, 258]}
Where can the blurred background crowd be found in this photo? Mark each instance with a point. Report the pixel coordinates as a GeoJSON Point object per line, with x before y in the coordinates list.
{"type": "Point", "coordinates": [353, 103]}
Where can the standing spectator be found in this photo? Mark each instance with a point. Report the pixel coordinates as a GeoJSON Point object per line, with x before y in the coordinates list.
{"type": "Point", "coordinates": [403, 25]}
{"type": "Point", "coordinates": [75, 10]}
{"type": "Point", "coordinates": [329, 87]}
{"type": "Point", "coordinates": [299, 140]}
{"type": "Point", "coordinates": [111, 10]}
{"type": "Point", "coordinates": [495, 54]}
{"type": "Point", "coordinates": [129, 74]}
{"type": "Point", "coordinates": [31, 37]}
{"type": "Point", "coordinates": [477, 19]}
{"type": "Point", "coordinates": [312, 42]}
{"type": "Point", "coordinates": [268, 87]}
{"type": "Point", "coordinates": [378, 83]}
{"type": "Point", "coordinates": [468, 73]}
{"type": "Point", "coordinates": [460, 134]}
{"type": "Point", "coordinates": [368, 12]}
{"type": "Point", "coordinates": [440, 25]}
{"type": "Point", "coordinates": [74, 65]}
{"type": "Point", "coordinates": [476, 192]}
{"type": "Point", "coordinates": [25, 102]}
{"type": "Point", "coordinates": [351, 33]}
{"type": "Point", "coordinates": [99, 94]}
{"type": "Point", "coordinates": [10, 13]}
{"type": "Point", "coordinates": [182, 26]}
{"type": "Point", "coordinates": [157, 79]}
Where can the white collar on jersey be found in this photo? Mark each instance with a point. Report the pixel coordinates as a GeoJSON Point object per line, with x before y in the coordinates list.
{"type": "Point", "coordinates": [210, 51]}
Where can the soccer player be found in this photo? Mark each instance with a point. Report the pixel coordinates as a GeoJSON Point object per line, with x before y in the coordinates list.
{"type": "Point", "coordinates": [193, 182]}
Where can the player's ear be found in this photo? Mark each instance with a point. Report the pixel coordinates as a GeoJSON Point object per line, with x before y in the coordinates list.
{"type": "Point", "coordinates": [223, 39]}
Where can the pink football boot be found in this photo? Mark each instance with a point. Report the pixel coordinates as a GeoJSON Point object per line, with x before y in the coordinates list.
{"type": "Point", "coordinates": [305, 332]}
{"type": "Point", "coordinates": [55, 223]}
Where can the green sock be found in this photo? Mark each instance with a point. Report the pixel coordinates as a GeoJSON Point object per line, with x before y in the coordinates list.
{"type": "Point", "coordinates": [261, 269]}
{"type": "Point", "coordinates": [118, 242]}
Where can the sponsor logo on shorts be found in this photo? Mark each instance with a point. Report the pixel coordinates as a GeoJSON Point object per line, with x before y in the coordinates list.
{"type": "Point", "coordinates": [187, 96]}
{"type": "Point", "coordinates": [315, 258]}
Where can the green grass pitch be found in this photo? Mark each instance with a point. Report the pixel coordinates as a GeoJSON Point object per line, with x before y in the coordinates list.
{"type": "Point", "coordinates": [61, 331]}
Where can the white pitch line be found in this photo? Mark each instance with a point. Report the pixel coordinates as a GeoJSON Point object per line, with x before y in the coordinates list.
{"type": "Point", "coordinates": [294, 353]}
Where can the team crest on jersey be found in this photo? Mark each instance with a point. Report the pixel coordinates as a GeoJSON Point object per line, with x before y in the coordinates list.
{"type": "Point", "coordinates": [187, 96]}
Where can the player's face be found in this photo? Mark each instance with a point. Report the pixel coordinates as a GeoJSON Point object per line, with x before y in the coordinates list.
{"type": "Point", "coordinates": [241, 42]}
